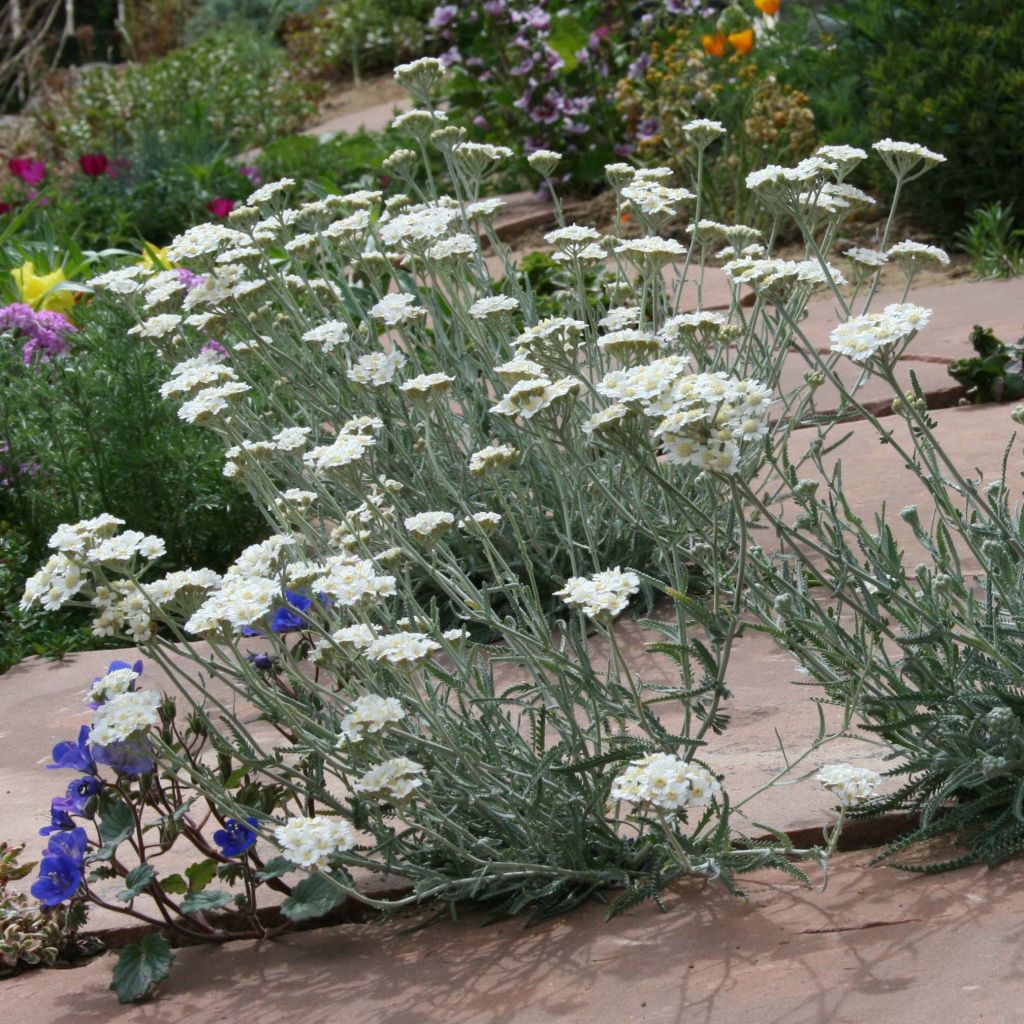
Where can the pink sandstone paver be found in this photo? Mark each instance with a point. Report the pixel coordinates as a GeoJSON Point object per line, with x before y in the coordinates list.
{"type": "Point", "coordinates": [372, 119]}
{"type": "Point", "coordinates": [876, 946]}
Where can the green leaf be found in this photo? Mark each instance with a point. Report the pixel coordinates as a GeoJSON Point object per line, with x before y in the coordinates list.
{"type": "Point", "coordinates": [275, 868]}
{"type": "Point", "coordinates": [135, 881]}
{"type": "Point", "coordinates": [200, 874]}
{"type": "Point", "coordinates": [174, 885]}
{"type": "Point", "coordinates": [140, 967]}
{"type": "Point", "coordinates": [116, 826]}
{"type": "Point", "coordinates": [209, 899]}
{"type": "Point", "coordinates": [312, 897]}
{"type": "Point", "coordinates": [568, 35]}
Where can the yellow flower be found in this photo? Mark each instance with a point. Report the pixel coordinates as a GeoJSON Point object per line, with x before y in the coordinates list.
{"type": "Point", "coordinates": [153, 256]}
{"type": "Point", "coordinates": [742, 42]}
{"type": "Point", "coordinates": [769, 7]}
{"type": "Point", "coordinates": [35, 289]}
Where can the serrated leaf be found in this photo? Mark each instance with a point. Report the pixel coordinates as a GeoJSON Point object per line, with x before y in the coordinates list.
{"type": "Point", "coordinates": [208, 899]}
{"type": "Point", "coordinates": [115, 827]}
{"type": "Point", "coordinates": [200, 874]}
{"type": "Point", "coordinates": [314, 896]}
{"type": "Point", "coordinates": [174, 885]}
{"type": "Point", "coordinates": [140, 967]}
{"type": "Point", "coordinates": [135, 881]}
{"type": "Point", "coordinates": [275, 868]}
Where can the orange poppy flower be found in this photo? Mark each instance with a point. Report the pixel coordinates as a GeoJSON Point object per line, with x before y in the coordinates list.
{"type": "Point", "coordinates": [769, 7]}
{"type": "Point", "coordinates": [714, 46]}
{"type": "Point", "coordinates": [742, 42]}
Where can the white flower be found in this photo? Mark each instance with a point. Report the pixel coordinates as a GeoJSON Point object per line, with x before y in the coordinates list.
{"type": "Point", "coordinates": [528, 397]}
{"type": "Point", "coordinates": [291, 438]}
{"type": "Point", "coordinates": [651, 251]}
{"type": "Point", "coordinates": [602, 595]}
{"type": "Point", "coordinates": [370, 713]}
{"type": "Point", "coordinates": [619, 318]}
{"type": "Point", "coordinates": [866, 257]}
{"type": "Point", "coordinates": [428, 525]}
{"type": "Point", "coordinates": [485, 207]}
{"type": "Point", "coordinates": [268, 191]}
{"type": "Point", "coordinates": [417, 228]}
{"type": "Point", "coordinates": [903, 157]}
{"type": "Point", "coordinates": [454, 248]}
{"type": "Point", "coordinates": [113, 684]}
{"type": "Point", "coordinates": [918, 252]}
{"type": "Point", "coordinates": [572, 237]}
{"type": "Point", "coordinates": [544, 161]}
{"type": "Point", "coordinates": [328, 335]}
{"type": "Point", "coordinates": [702, 130]}
{"type": "Point", "coordinates": [861, 337]}
{"type": "Point", "coordinates": [124, 714]}
{"type": "Point", "coordinates": [488, 522]}
{"type": "Point", "coordinates": [377, 368]}
{"type": "Point", "coordinates": [122, 281]}
{"type": "Point", "coordinates": [156, 326]}
{"type": "Point", "coordinates": [312, 842]}
{"type": "Point", "coordinates": [494, 457]}
{"type": "Point", "coordinates": [402, 649]}
{"type": "Point", "coordinates": [493, 305]}
{"type": "Point", "coordinates": [666, 782]}
{"type": "Point", "coordinates": [395, 779]}
{"type": "Point", "coordinates": [653, 199]}
{"type": "Point", "coordinates": [428, 385]}
{"type": "Point", "coordinates": [345, 450]}
{"type": "Point", "coordinates": [211, 402]}
{"type": "Point", "coordinates": [852, 785]}
{"type": "Point", "coordinates": [397, 308]}
{"type": "Point", "coordinates": [350, 582]}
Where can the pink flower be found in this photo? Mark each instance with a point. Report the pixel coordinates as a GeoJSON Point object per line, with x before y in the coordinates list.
{"type": "Point", "coordinates": [31, 172]}
{"type": "Point", "coordinates": [253, 174]}
{"type": "Point", "coordinates": [94, 164]}
{"type": "Point", "coordinates": [220, 207]}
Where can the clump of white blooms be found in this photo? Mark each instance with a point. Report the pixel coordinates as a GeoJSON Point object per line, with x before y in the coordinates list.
{"type": "Point", "coordinates": [395, 779]}
{"type": "Point", "coordinates": [918, 252]}
{"type": "Point", "coordinates": [492, 458]}
{"type": "Point", "coordinates": [124, 714]}
{"type": "Point", "coordinates": [405, 649]}
{"type": "Point", "coordinates": [601, 596]}
{"type": "Point", "coordinates": [903, 157]}
{"type": "Point", "coordinates": [429, 525]}
{"type": "Point", "coordinates": [397, 308]}
{"type": "Point", "coordinates": [852, 785]}
{"type": "Point", "coordinates": [862, 337]}
{"type": "Point", "coordinates": [493, 305]}
{"type": "Point", "coordinates": [312, 842]}
{"type": "Point", "coordinates": [667, 783]}
{"type": "Point", "coordinates": [113, 684]}
{"type": "Point", "coordinates": [370, 713]}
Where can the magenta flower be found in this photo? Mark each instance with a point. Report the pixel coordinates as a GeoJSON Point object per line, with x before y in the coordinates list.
{"type": "Point", "coordinates": [31, 172]}
{"type": "Point", "coordinates": [94, 164]}
{"type": "Point", "coordinates": [45, 331]}
{"type": "Point", "coordinates": [220, 207]}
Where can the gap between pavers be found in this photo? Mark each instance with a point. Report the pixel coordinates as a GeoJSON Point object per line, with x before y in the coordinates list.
{"type": "Point", "coordinates": [876, 945]}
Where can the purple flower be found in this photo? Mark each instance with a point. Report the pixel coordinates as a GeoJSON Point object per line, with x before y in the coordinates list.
{"type": "Point", "coordinates": [638, 68]}
{"type": "Point", "coordinates": [126, 757]}
{"type": "Point", "coordinates": [60, 871]}
{"type": "Point", "coordinates": [261, 662]}
{"type": "Point", "coordinates": [450, 56]}
{"type": "Point", "coordinates": [214, 346]}
{"type": "Point", "coordinates": [60, 816]}
{"type": "Point", "coordinates": [623, 149]}
{"type": "Point", "coordinates": [235, 837]}
{"type": "Point", "coordinates": [481, 122]}
{"type": "Point", "coordinates": [45, 331]}
{"type": "Point", "coordinates": [81, 791]}
{"type": "Point", "coordinates": [524, 67]}
{"type": "Point", "coordinates": [443, 16]}
{"type": "Point", "coordinates": [495, 8]}
{"type": "Point", "coordinates": [647, 128]}
{"type": "Point", "coordinates": [286, 619]}
{"type": "Point", "coordinates": [189, 279]}
{"type": "Point", "coordinates": [76, 756]}
{"type": "Point", "coordinates": [253, 174]}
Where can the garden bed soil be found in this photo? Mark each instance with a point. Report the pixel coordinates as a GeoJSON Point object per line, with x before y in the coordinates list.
{"type": "Point", "coordinates": [877, 944]}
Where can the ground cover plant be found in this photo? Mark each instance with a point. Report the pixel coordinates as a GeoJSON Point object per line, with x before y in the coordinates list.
{"type": "Point", "coordinates": [423, 713]}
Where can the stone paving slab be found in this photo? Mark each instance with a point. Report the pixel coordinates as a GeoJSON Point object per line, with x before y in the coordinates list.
{"type": "Point", "coordinates": [876, 945]}
{"type": "Point", "coordinates": [372, 119]}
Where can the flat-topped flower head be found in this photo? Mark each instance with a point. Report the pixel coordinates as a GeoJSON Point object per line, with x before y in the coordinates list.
{"type": "Point", "coordinates": [702, 132]}
{"type": "Point", "coordinates": [313, 842]}
{"type": "Point", "coordinates": [544, 161]}
{"type": "Point", "coordinates": [851, 784]}
{"type": "Point", "coordinates": [394, 780]}
{"type": "Point", "coordinates": [420, 77]}
{"type": "Point", "coordinates": [667, 783]}
{"type": "Point", "coordinates": [428, 385]}
{"type": "Point", "coordinates": [651, 252]}
{"type": "Point", "coordinates": [397, 308]}
{"type": "Point", "coordinates": [493, 458]}
{"type": "Point", "coordinates": [429, 525]}
{"type": "Point", "coordinates": [907, 160]}
{"type": "Point", "coordinates": [377, 368]}
{"type": "Point", "coordinates": [601, 596]}
{"type": "Point", "coordinates": [915, 254]}
{"type": "Point", "coordinates": [871, 259]}
{"type": "Point", "coordinates": [403, 650]}
{"type": "Point", "coordinates": [123, 715]}
{"type": "Point", "coordinates": [371, 714]}
{"type": "Point", "coordinates": [493, 306]}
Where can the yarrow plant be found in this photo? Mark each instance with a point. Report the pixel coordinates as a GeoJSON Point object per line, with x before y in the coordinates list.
{"type": "Point", "coordinates": [464, 506]}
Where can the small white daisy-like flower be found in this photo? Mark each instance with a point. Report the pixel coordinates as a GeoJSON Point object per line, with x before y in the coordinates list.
{"type": "Point", "coordinates": [493, 305]}
{"type": "Point", "coordinates": [397, 308]}
{"type": "Point", "coordinates": [312, 842]}
{"type": "Point", "coordinates": [852, 785]}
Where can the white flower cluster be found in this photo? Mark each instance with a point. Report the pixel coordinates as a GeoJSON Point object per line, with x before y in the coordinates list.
{"type": "Point", "coordinates": [862, 337]}
{"type": "Point", "coordinates": [312, 842]}
{"type": "Point", "coordinates": [370, 713]}
{"type": "Point", "coordinates": [852, 785]}
{"type": "Point", "coordinates": [780, 277]}
{"type": "Point", "coordinates": [429, 525]}
{"type": "Point", "coordinates": [492, 458]}
{"type": "Point", "coordinates": [124, 714]}
{"type": "Point", "coordinates": [667, 783]}
{"type": "Point", "coordinates": [404, 650]}
{"type": "Point", "coordinates": [600, 596]}
{"type": "Point", "coordinates": [917, 252]}
{"type": "Point", "coordinates": [395, 779]}
{"type": "Point", "coordinates": [113, 684]}
{"type": "Point", "coordinates": [528, 397]}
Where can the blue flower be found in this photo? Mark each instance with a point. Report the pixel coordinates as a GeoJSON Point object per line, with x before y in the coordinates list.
{"type": "Point", "coordinates": [70, 844]}
{"type": "Point", "coordinates": [61, 869]}
{"type": "Point", "coordinates": [81, 791]}
{"type": "Point", "coordinates": [261, 662]}
{"type": "Point", "coordinates": [235, 837]}
{"type": "Point", "coordinates": [60, 816]}
{"type": "Point", "coordinates": [285, 619]}
{"type": "Point", "coordinates": [126, 757]}
{"type": "Point", "coordinates": [75, 756]}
